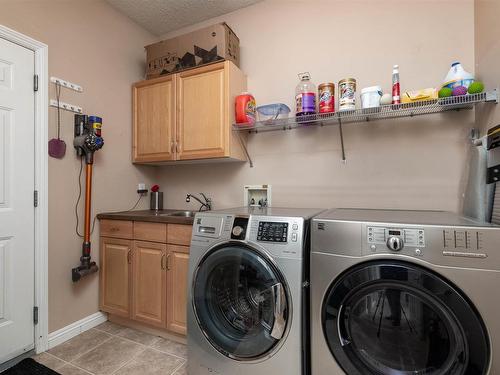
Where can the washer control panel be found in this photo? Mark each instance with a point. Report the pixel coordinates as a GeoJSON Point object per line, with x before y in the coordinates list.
{"type": "Point", "coordinates": [280, 236]}
{"type": "Point", "coordinates": [396, 238]}
{"type": "Point", "coordinates": [269, 231]}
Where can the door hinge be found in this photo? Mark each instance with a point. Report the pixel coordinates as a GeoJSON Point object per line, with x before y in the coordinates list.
{"type": "Point", "coordinates": [35, 315]}
{"type": "Point", "coordinates": [35, 198]}
{"type": "Point", "coordinates": [35, 82]}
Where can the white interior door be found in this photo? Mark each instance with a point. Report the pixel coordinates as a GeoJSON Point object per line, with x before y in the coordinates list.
{"type": "Point", "coordinates": [17, 137]}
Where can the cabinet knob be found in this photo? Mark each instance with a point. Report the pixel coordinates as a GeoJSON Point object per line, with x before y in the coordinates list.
{"type": "Point", "coordinates": [129, 256]}
{"type": "Point", "coordinates": [162, 261]}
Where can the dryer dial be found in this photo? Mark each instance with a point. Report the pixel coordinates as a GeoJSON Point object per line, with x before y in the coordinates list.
{"type": "Point", "coordinates": [395, 243]}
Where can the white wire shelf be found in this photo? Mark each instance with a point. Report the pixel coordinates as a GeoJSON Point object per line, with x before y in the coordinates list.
{"type": "Point", "coordinates": [363, 115]}
{"type": "Point", "coordinates": [425, 107]}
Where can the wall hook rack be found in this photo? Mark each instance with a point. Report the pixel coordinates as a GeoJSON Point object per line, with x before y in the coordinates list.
{"type": "Point", "coordinates": [66, 106]}
{"type": "Point", "coordinates": [66, 84]}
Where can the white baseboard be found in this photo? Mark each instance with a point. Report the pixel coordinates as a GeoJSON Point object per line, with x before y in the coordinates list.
{"type": "Point", "coordinates": [74, 329]}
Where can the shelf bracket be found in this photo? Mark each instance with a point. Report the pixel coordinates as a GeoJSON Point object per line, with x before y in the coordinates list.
{"type": "Point", "coordinates": [342, 141]}
{"type": "Point", "coordinates": [492, 96]}
{"type": "Point", "coordinates": [245, 150]}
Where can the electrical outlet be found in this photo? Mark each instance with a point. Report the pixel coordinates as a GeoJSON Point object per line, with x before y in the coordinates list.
{"type": "Point", "coordinates": [141, 188]}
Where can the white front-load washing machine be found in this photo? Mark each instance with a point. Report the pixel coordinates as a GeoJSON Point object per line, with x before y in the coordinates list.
{"type": "Point", "coordinates": [404, 292]}
{"type": "Point", "coordinates": [248, 308]}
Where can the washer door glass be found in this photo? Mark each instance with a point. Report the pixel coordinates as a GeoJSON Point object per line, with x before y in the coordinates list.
{"type": "Point", "coordinates": [398, 318]}
{"type": "Point", "coordinates": [240, 301]}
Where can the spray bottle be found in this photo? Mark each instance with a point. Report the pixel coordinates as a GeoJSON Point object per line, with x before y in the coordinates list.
{"type": "Point", "coordinates": [396, 89]}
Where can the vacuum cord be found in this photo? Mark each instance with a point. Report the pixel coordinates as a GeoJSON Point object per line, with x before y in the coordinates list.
{"type": "Point", "coordinates": [78, 202]}
{"type": "Point", "coordinates": [79, 197]}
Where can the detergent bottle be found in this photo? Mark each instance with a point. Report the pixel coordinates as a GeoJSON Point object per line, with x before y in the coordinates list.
{"type": "Point", "coordinates": [457, 76]}
{"type": "Point", "coordinates": [305, 96]}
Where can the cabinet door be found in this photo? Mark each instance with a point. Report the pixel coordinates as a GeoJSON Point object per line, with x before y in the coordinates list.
{"type": "Point", "coordinates": [154, 120]}
{"type": "Point", "coordinates": [177, 270]}
{"type": "Point", "coordinates": [202, 121]}
{"type": "Point", "coordinates": [115, 259]}
{"type": "Point", "coordinates": [149, 283]}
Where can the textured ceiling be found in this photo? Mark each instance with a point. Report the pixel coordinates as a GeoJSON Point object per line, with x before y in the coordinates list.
{"type": "Point", "coordinates": [163, 16]}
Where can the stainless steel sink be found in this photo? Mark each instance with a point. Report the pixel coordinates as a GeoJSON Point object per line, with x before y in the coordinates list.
{"type": "Point", "coordinates": [182, 213]}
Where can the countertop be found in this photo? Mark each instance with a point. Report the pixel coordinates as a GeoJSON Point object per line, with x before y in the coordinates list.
{"type": "Point", "coordinates": [148, 215]}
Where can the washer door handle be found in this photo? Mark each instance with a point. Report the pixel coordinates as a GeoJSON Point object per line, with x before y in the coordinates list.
{"type": "Point", "coordinates": [279, 325]}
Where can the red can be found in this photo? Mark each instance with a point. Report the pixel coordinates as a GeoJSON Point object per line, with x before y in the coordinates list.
{"type": "Point", "coordinates": [245, 108]}
{"type": "Point", "coordinates": [326, 95]}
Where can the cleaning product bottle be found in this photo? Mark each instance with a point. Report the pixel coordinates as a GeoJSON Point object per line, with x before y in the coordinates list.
{"type": "Point", "coordinates": [396, 89]}
{"type": "Point", "coordinates": [245, 108]}
{"type": "Point", "coordinates": [457, 76]}
{"type": "Point", "coordinates": [305, 96]}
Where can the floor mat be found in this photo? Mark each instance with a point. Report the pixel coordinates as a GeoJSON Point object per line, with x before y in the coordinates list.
{"type": "Point", "coordinates": [29, 366]}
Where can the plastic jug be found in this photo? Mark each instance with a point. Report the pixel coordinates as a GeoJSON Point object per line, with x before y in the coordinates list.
{"type": "Point", "coordinates": [457, 76]}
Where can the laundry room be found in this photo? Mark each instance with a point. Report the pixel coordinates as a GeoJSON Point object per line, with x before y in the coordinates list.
{"type": "Point", "coordinates": [244, 187]}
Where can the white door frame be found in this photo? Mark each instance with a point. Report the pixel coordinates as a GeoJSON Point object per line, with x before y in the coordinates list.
{"type": "Point", "coordinates": [41, 51]}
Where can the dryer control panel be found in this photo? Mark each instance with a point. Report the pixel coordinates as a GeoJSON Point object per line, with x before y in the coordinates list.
{"type": "Point", "coordinates": [415, 241]}
{"type": "Point", "coordinates": [414, 237]}
{"type": "Point", "coordinates": [461, 242]}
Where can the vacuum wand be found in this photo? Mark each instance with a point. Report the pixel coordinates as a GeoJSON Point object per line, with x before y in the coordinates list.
{"type": "Point", "coordinates": [87, 141]}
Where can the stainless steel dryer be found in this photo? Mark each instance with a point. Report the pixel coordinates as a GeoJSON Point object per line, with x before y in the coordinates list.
{"type": "Point", "coordinates": [247, 276]}
{"type": "Point", "coordinates": [404, 292]}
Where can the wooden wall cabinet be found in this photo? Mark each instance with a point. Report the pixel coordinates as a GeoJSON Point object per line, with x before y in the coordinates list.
{"type": "Point", "coordinates": [200, 128]}
{"type": "Point", "coordinates": [143, 276]}
{"type": "Point", "coordinates": [154, 120]}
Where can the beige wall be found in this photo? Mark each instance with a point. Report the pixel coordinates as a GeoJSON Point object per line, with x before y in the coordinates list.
{"type": "Point", "coordinates": [417, 163]}
{"type": "Point", "coordinates": [93, 45]}
{"type": "Point", "coordinates": [487, 30]}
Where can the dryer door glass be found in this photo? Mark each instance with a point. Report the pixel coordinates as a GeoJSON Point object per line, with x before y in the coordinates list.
{"type": "Point", "coordinates": [398, 318]}
{"type": "Point", "coordinates": [241, 302]}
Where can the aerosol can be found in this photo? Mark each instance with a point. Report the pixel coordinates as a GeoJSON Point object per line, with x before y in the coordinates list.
{"type": "Point", "coordinates": [87, 141]}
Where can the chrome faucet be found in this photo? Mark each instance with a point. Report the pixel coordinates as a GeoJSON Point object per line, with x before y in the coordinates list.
{"type": "Point", "coordinates": [205, 206]}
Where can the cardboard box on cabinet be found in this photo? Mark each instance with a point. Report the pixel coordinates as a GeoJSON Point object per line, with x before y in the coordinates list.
{"type": "Point", "coordinates": [201, 47]}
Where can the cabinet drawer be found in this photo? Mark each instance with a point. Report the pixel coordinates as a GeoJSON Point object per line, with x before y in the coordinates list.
{"type": "Point", "coordinates": [154, 232]}
{"type": "Point", "coordinates": [179, 234]}
{"type": "Point", "coordinates": [116, 228]}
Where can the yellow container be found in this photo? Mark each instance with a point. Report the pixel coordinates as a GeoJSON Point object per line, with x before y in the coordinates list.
{"type": "Point", "coordinates": [419, 95]}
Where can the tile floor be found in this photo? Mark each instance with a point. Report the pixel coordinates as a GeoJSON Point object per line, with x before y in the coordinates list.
{"type": "Point", "coordinates": [113, 349]}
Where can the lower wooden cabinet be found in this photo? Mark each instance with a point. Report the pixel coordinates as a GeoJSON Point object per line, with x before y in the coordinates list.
{"type": "Point", "coordinates": [149, 280]}
{"type": "Point", "coordinates": [177, 273]}
{"type": "Point", "coordinates": [146, 281]}
{"type": "Point", "coordinates": [115, 256]}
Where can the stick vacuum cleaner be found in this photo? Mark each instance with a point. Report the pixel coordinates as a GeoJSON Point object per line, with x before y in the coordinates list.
{"type": "Point", "coordinates": [87, 141]}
